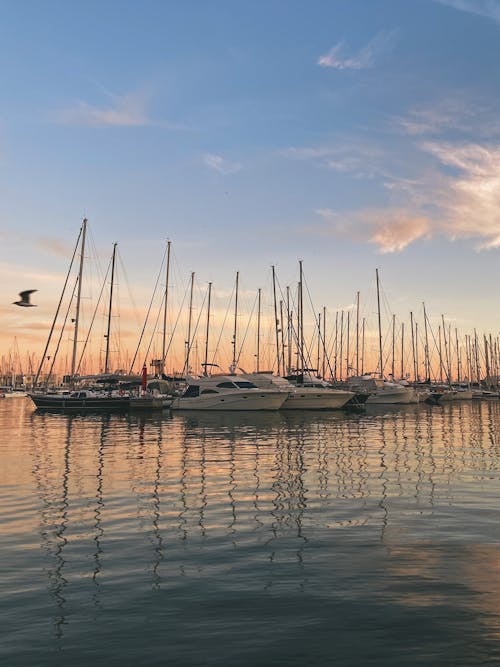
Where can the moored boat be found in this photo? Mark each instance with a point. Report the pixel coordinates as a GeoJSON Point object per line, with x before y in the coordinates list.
{"type": "Point", "coordinates": [226, 392]}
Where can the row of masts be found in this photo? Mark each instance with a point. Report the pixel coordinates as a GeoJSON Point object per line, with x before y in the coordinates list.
{"type": "Point", "coordinates": [293, 353]}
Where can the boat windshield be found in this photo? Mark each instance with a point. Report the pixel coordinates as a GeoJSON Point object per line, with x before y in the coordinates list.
{"type": "Point", "coordinates": [246, 385]}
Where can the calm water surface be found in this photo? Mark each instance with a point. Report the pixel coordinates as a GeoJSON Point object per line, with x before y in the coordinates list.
{"type": "Point", "coordinates": [245, 539]}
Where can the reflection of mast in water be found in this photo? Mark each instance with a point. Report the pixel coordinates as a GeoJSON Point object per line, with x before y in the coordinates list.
{"type": "Point", "coordinates": [290, 500]}
{"type": "Point", "coordinates": [53, 526]}
{"type": "Point", "coordinates": [99, 531]}
{"type": "Point", "coordinates": [158, 548]}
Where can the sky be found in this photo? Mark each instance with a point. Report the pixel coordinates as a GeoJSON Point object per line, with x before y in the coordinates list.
{"type": "Point", "coordinates": [349, 134]}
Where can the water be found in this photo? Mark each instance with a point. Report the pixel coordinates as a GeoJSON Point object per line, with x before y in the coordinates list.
{"type": "Point", "coordinates": [246, 539]}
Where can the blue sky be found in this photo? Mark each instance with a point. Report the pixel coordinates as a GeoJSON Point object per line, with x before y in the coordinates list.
{"type": "Point", "coordinates": [349, 134]}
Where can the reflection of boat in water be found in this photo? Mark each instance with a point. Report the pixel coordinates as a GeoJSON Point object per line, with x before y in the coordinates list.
{"type": "Point", "coordinates": [81, 401]}
{"type": "Point", "coordinates": [225, 392]}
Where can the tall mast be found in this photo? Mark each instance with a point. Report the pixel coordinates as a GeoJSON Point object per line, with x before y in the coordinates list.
{"type": "Point", "coordinates": [357, 333]}
{"type": "Point", "coordinates": [289, 330]}
{"type": "Point", "coordinates": [417, 364]}
{"type": "Point", "coordinates": [324, 344]}
{"type": "Point", "coordinates": [259, 293]}
{"type": "Point", "coordinates": [427, 359]}
{"type": "Point", "coordinates": [447, 368]}
{"type": "Point", "coordinates": [413, 348]}
{"type": "Point", "coordinates": [205, 365]}
{"type": "Point", "coordinates": [276, 322]}
{"type": "Point", "coordinates": [393, 370]}
{"type": "Point", "coordinates": [347, 344]}
{"type": "Point", "coordinates": [188, 341]}
{"type": "Point", "coordinates": [335, 358]}
{"type": "Point", "coordinates": [459, 364]}
{"type": "Point", "coordinates": [301, 311]}
{"type": "Point", "coordinates": [78, 297]}
{"type": "Point", "coordinates": [381, 363]}
{"type": "Point", "coordinates": [235, 328]}
{"type": "Point", "coordinates": [363, 347]}
{"type": "Point", "coordinates": [341, 352]}
{"type": "Point", "coordinates": [163, 348]}
{"type": "Point", "coordinates": [282, 331]}
{"type": "Point", "coordinates": [402, 349]}
{"type": "Point", "coordinates": [318, 356]}
{"type": "Point", "coordinates": [106, 359]}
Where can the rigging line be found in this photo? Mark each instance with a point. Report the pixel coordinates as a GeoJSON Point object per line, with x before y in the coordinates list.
{"type": "Point", "coordinates": [191, 343]}
{"type": "Point", "coordinates": [176, 323]}
{"type": "Point", "coordinates": [127, 283]}
{"type": "Point", "coordinates": [58, 308]}
{"type": "Point", "coordinates": [93, 318]}
{"type": "Point", "coordinates": [317, 327]}
{"type": "Point", "coordinates": [147, 314]}
{"type": "Point", "coordinates": [222, 327]}
{"type": "Point", "coordinates": [62, 332]}
{"type": "Point", "coordinates": [246, 330]}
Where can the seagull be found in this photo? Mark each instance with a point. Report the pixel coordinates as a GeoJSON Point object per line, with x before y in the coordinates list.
{"type": "Point", "coordinates": [25, 299]}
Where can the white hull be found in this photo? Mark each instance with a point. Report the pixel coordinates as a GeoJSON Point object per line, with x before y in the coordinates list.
{"type": "Point", "coordinates": [316, 399]}
{"type": "Point", "coordinates": [251, 399]}
{"type": "Point", "coordinates": [390, 397]}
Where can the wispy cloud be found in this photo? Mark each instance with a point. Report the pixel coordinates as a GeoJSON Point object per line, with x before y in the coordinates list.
{"type": "Point", "coordinates": [220, 164]}
{"type": "Point", "coordinates": [470, 202]}
{"type": "Point", "coordinates": [463, 187]}
{"type": "Point", "coordinates": [362, 159]}
{"type": "Point", "coordinates": [390, 230]}
{"type": "Point", "coordinates": [487, 8]}
{"type": "Point", "coordinates": [337, 58]}
{"type": "Point", "coordinates": [121, 111]}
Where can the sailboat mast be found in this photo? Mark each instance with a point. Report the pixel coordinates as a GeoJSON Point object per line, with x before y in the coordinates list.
{"type": "Point", "coordinates": [289, 329]}
{"type": "Point", "coordinates": [276, 322]}
{"type": "Point", "coordinates": [393, 370]}
{"type": "Point", "coordinates": [78, 296]}
{"type": "Point", "coordinates": [324, 343]}
{"type": "Point", "coordinates": [413, 348]}
{"type": "Point", "coordinates": [259, 294]}
{"type": "Point", "coordinates": [205, 365]}
{"type": "Point", "coordinates": [381, 363]}
{"type": "Point", "coordinates": [357, 333]}
{"type": "Point", "coordinates": [363, 347]}
{"type": "Point", "coordinates": [402, 349]}
{"type": "Point", "coordinates": [106, 359]}
{"type": "Point", "coordinates": [301, 312]}
{"type": "Point", "coordinates": [427, 359]}
{"type": "Point", "coordinates": [235, 328]}
{"type": "Point", "coordinates": [188, 341]}
{"type": "Point", "coordinates": [165, 304]}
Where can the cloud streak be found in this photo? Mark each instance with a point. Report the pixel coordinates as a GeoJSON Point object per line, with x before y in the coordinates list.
{"type": "Point", "coordinates": [489, 9]}
{"type": "Point", "coordinates": [365, 58]}
{"type": "Point", "coordinates": [390, 230]}
{"type": "Point", "coordinates": [220, 164]}
{"type": "Point", "coordinates": [123, 111]}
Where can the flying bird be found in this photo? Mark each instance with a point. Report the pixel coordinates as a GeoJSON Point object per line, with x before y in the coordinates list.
{"type": "Point", "coordinates": [25, 299]}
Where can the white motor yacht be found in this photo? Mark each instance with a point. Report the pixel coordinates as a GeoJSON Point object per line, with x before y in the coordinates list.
{"type": "Point", "coordinates": [226, 392]}
{"type": "Point", "coordinates": [311, 393]}
{"type": "Point", "coordinates": [383, 392]}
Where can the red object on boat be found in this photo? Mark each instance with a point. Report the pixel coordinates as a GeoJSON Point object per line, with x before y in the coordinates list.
{"type": "Point", "coordinates": [144, 380]}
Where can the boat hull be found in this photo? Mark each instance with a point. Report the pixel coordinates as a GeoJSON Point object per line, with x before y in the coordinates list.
{"type": "Point", "coordinates": [239, 400]}
{"type": "Point", "coordinates": [328, 399]}
{"type": "Point", "coordinates": [392, 398]}
{"type": "Point", "coordinates": [59, 403]}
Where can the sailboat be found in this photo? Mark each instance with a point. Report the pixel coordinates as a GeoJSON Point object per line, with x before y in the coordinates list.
{"type": "Point", "coordinates": [109, 399]}
{"type": "Point", "coordinates": [381, 390]}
